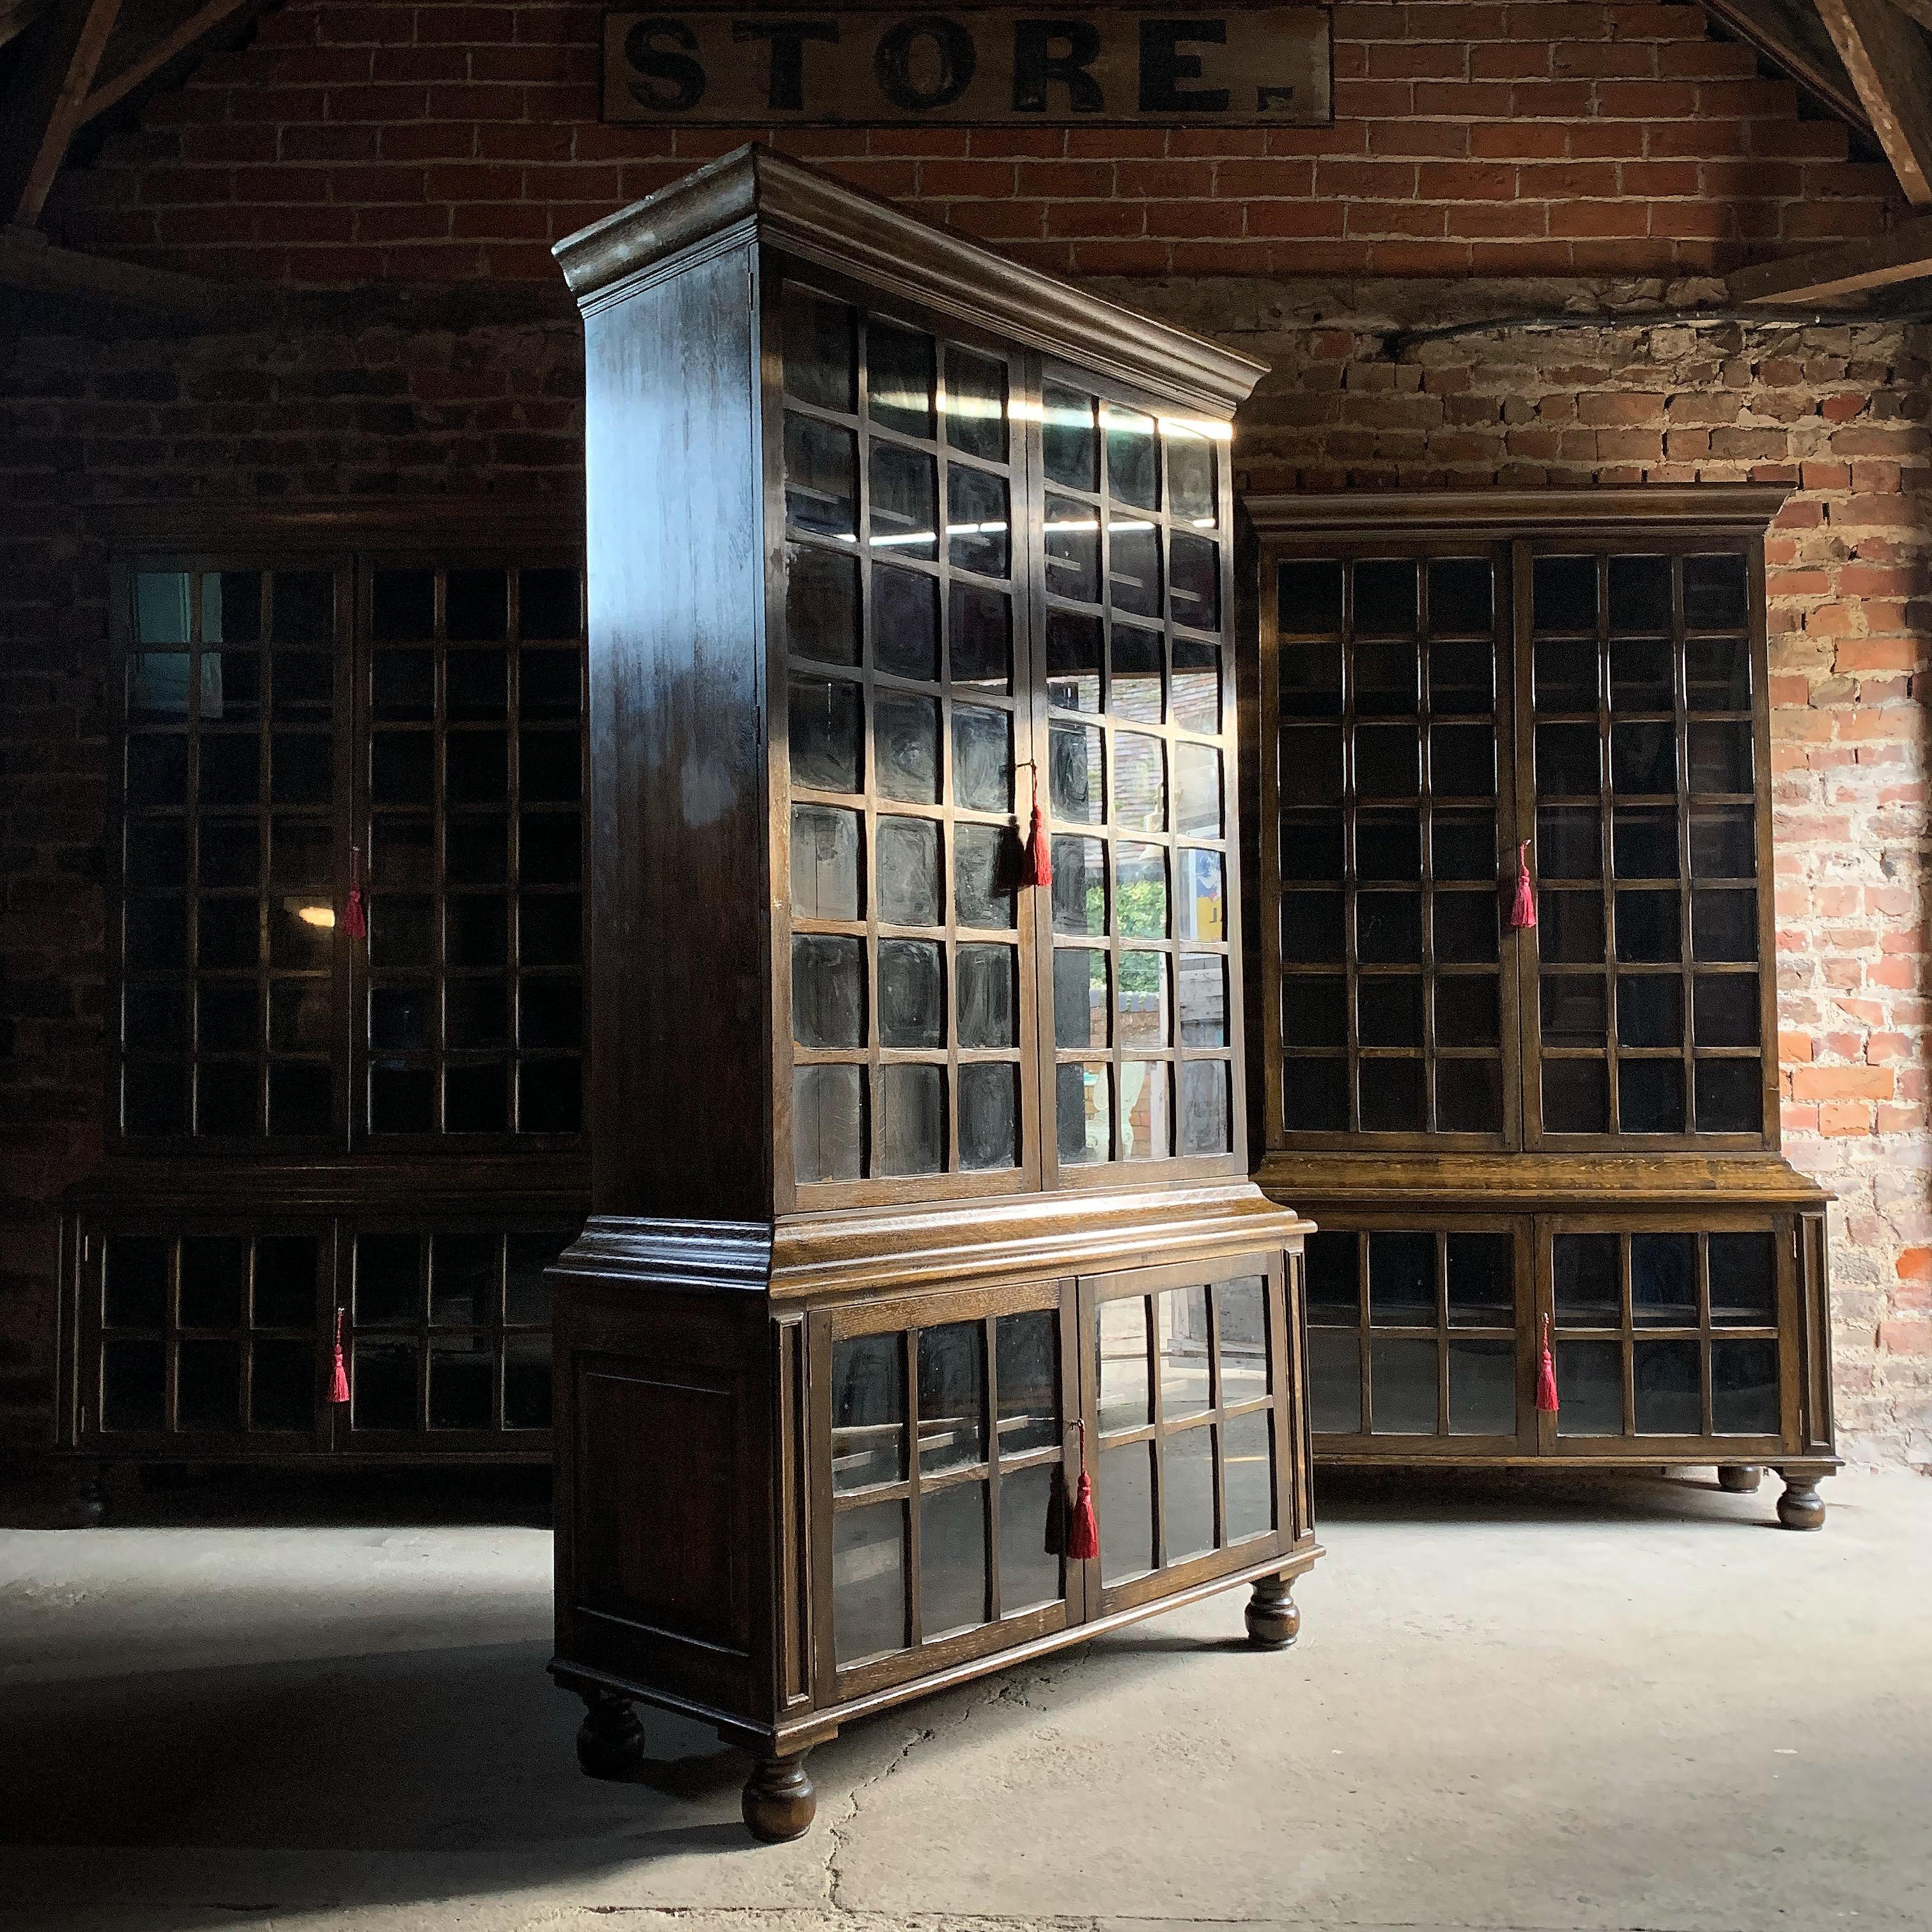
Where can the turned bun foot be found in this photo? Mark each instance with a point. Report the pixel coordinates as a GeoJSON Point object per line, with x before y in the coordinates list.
{"type": "Point", "coordinates": [611, 1740]}
{"type": "Point", "coordinates": [1739, 1479]}
{"type": "Point", "coordinates": [779, 1802]}
{"type": "Point", "coordinates": [1801, 1507]}
{"type": "Point", "coordinates": [1273, 1620]}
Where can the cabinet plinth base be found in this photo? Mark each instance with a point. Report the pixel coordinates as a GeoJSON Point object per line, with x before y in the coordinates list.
{"type": "Point", "coordinates": [611, 1740]}
{"type": "Point", "coordinates": [1801, 1507]}
{"type": "Point", "coordinates": [779, 1802]}
{"type": "Point", "coordinates": [1739, 1479]}
{"type": "Point", "coordinates": [1273, 1618]}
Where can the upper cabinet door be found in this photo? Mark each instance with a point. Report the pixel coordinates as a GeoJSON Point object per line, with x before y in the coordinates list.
{"type": "Point", "coordinates": [1641, 687]}
{"type": "Point", "coordinates": [903, 988]}
{"type": "Point", "coordinates": [1142, 1002]}
{"type": "Point", "coordinates": [1387, 812]}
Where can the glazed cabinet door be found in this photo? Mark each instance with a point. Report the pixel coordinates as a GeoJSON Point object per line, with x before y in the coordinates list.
{"type": "Point", "coordinates": [1193, 1438]}
{"type": "Point", "coordinates": [1418, 1339]}
{"type": "Point", "coordinates": [1671, 1338]}
{"type": "Point", "coordinates": [938, 1427]}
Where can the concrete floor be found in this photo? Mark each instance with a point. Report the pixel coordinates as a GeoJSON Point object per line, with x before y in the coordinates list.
{"type": "Point", "coordinates": [1629, 1704]}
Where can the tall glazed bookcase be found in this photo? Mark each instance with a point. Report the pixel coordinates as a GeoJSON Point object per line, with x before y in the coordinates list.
{"type": "Point", "coordinates": [918, 1189]}
{"type": "Point", "coordinates": [1566, 1133]}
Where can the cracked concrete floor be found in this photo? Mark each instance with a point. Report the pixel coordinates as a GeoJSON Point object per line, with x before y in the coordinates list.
{"type": "Point", "coordinates": [1631, 1703]}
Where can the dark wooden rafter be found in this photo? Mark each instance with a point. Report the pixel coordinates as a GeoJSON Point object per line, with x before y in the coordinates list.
{"type": "Point", "coordinates": [1890, 62]}
{"type": "Point", "coordinates": [1794, 42]}
{"type": "Point", "coordinates": [1853, 268]}
{"type": "Point", "coordinates": [56, 68]}
{"type": "Point", "coordinates": [17, 15]}
{"type": "Point", "coordinates": [181, 41]}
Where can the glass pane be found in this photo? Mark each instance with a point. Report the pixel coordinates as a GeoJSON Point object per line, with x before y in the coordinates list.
{"type": "Point", "coordinates": [383, 1387]}
{"type": "Point", "coordinates": [1640, 594]}
{"type": "Point", "coordinates": [1588, 1295]}
{"type": "Point", "coordinates": [1311, 928]}
{"type": "Point", "coordinates": [825, 730]}
{"type": "Point", "coordinates": [1181, 1316]}
{"type": "Point", "coordinates": [1187, 1492]}
{"type": "Point", "coordinates": [828, 990]}
{"type": "Point", "coordinates": [1084, 1113]}
{"type": "Point", "coordinates": [1466, 928]}
{"type": "Point", "coordinates": [1143, 1003]}
{"type": "Point", "coordinates": [1565, 593]}
{"type": "Point", "coordinates": [1650, 1010]}
{"type": "Point", "coordinates": [868, 1581]}
{"type": "Point", "coordinates": [1146, 1125]}
{"type": "Point", "coordinates": [1744, 1388]}
{"type": "Point", "coordinates": [136, 1286]}
{"type": "Point", "coordinates": [912, 994]}
{"type": "Point", "coordinates": [1207, 1117]}
{"type": "Point", "coordinates": [283, 1395]}
{"type": "Point", "coordinates": [982, 758]}
{"type": "Point", "coordinates": [1070, 446]}
{"type": "Point", "coordinates": [1665, 1379]}
{"type": "Point", "coordinates": [550, 604]}
{"type": "Point", "coordinates": [1197, 790]}
{"type": "Point", "coordinates": [1590, 1388]}
{"type": "Point", "coordinates": [1462, 677]}
{"type": "Point", "coordinates": [1392, 1096]}
{"type": "Point", "coordinates": [953, 1579]}
{"type": "Point", "coordinates": [1570, 927]}
{"type": "Point", "coordinates": [1462, 845]}
{"type": "Point", "coordinates": [952, 1397]}
{"type": "Point", "coordinates": [1663, 1281]}
{"type": "Point", "coordinates": [1482, 1388]}
{"type": "Point", "coordinates": [1333, 1289]}
{"type": "Point", "coordinates": [134, 1383]}
{"type": "Point", "coordinates": [1247, 1467]}
{"type": "Point", "coordinates": [1310, 766]}
{"type": "Point", "coordinates": [1402, 1396]}
{"type": "Point", "coordinates": [981, 638]}
{"type": "Point", "coordinates": [1744, 1281]}
{"type": "Point", "coordinates": [1073, 662]}
{"type": "Point", "coordinates": [1334, 1382]}
{"type": "Point", "coordinates": [1643, 758]}
{"type": "Point", "coordinates": [1194, 580]}
{"type": "Point", "coordinates": [1080, 1009]}
{"type": "Point", "coordinates": [1720, 758]}
{"type": "Point", "coordinates": [905, 623]}
{"type": "Point", "coordinates": [821, 473]}
{"type": "Point", "coordinates": [1714, 593]}
{"type": "Point", "coordinates": [912, 1119]}
{"type": "Point", "coordinates": [899, 372]}
{"type": "Point", "coordinates": [821, 605]}
{"type": "Point", "coordinates": [986, 996]}
{"type": "Point", "coordinates": [465, 1278]}
{"type": "Point", "coordinates": [1027, 1347]}
{"type": "Point", "coordinates": [526, 1382]}
{"type": "Point", "coordinates": [1133, 567]}
{"type": "Point", "coordinates": [1197, 685]}
{"type": "Point", "coordinates": [214, 1280]}
{"type": "Point", "coordinates": [1724, 843]}
{"type": "Point", "coordinates": [989, 1110]}
{"type": "Point", "coordinates": [1029, 1572]}
{"type": "Point", "coordinates": [1308, 596]}
{"type": "Point", "coordinates": [1124, 1499]}
{"type": "Point", "coordinates": [1576, 1096]}
{"type": "Point", "coordinates": [1730, 1097]}
{"type": "Point", "coordinates": [975, 404]}
{"type": "Point", "coordinates": [1388, 847]}
{"type": "Point", "coordinates": [526, 1290]}
{"type": "Point", "coordinates": [1717, 674]}
{"type": "Point", "coordinates": [387, 1287]}
{"type": "Point", "coordinates": [908, 871]}
{"type": "Point", "coordinates": [1462, 761]}
{"type": "Point", "coordinates": [1140, 894]}
{"type": "Point", "coordinates": [1724, 926]}
{"type": "Point", "coordinates": [978, 530]}
{"type": "Point", "coordinates": [1139, 675]}
{"type": "Point", "coordinates": [982, 892]}
{"type": "Point", "coordinates": [1569, 843]}
{"type": "Point", "coordinates": [1131, 468]}
{"type": "Point", "coordinates": [207, 1385]}
{"type": "Point", "coordinates": [1725, 1009]}
{"type": "Point", "coordinates": [285, 1279]}
{"type": "Point", "coordinates": [821, 360]}
{"type": "Point", "coordinates": [1466, 1011]}
{"type": "Point", "coordinates": [1140, 782]}
{"type": "Point", "coordinates": [1126, 1400]}
{"type": "Point", "coordinates": [1072, 550]}
{"type": "Point", "coordinates": [1569, 760]}
{"type": "Point", "coordinates": [461, 1375]}
{"type": "Point", "coordinates": [1643, 677]}
{"type": "Point", "coordinates": [1385, 596]}
{"type": "Point", "coordinates": [1482, 1288]}
{"type": "Point", "coordinates": [905, 746]}
{"type": "Point", "coordinates": [828, 1134]}
{"type": "Point", "coordinates": [825, 862]}
{"type": "Point", "coordinates": [1203, 999]}
{"type": "Point", "coordinates": [1388, 761]}
{"type": "Point", "coordinates": [1240, 1312]}
{"type": "Point", "coordinates": [867, 1411]}
{"type": "Point", "coordinates": [1401, 1279]}
{"type": "Point", "coordinates": [1650, 1096]}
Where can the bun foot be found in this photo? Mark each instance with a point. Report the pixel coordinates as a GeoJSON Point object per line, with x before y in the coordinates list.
{"type": "Point", "coordinates": [611, 1740]}
{"type": "Point", "coordinates": [779, 1802]}
{"type": "Point", "coordinates": [1273, 1621]}
{"type": "Point", "coordinates": [1739, 1479]}
{"type": "Point", "coordinates": [1801, 1507]}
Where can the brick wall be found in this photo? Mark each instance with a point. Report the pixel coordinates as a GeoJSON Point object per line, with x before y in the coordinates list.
{"type": "Point", "coordinates": [355, 143]}
{"type": "Point", "coordinates": [428, 148]}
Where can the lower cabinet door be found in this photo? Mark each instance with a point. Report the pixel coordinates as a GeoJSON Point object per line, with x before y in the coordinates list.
{"type": "Point", "coordinates": [1415, 1339]}
{"type": "Point", "coordinates": [937, 1493]}
{"type": "Point", "coordinates": [1191, 1434]}
{"type": "Point", "coordinates": [1670, 1338]}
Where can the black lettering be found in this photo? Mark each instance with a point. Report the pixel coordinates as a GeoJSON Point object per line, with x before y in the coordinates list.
{"type": "Point", "coordinates": [1036, 67]}
{"type": "Point", "coordinates": [788, 38]}
{"type": "Point", "coordinates": [1162, 64]}
{"type": "Point", "coordinates": [893, 63]}
{"type": "Point", "coordinates": [683, 76]}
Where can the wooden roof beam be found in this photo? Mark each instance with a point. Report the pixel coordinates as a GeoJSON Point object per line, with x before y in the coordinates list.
{"type": "Point", "coordinates": [1854, 267]}
{"type": "Point", "coordinates": [1891, 65]}
{"type": "Point", "coordinates": [17, 15]}
{"type": "Point", "coordinates": [32, 265]}
{"type": "Point", "coordinates": [201, 25]}
{"type": "Point", "coordinates": [57, 63]}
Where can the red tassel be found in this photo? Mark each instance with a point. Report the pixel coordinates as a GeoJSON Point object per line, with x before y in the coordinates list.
{"type": "Point", "coordinates": [1546, 1376]}
{"type": "Point", "coordinates": [1037, 854]}
{"type": "Point", "coordinates": [1083, 1532]}
{"type": "Point", "coordinates": [1523, 912]}
{"type": "Point", "coordinates": [338, 1377]}
{"type": "Point", "coordinates": [353, 921]}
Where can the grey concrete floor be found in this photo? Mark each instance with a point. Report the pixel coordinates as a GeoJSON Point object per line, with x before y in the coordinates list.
{"type": "Point", "coordinates": [1630, 1703]}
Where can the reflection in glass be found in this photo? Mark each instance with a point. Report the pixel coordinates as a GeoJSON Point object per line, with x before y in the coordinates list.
{"type": "Point", "coordinates": [1482, 1290]}
{"type": "Point", "coordinates": [1385, 597]}
{"type": "Point", "coordinates": [1029, 1574]}
{"type": "Point", "coordinates": [1146, 1125]}
{"type": "Point", "coordinates": [1197, 790]}
{"type": "Point", "coordinates": [1590, 1388]}
{"type": "Point", "coordinates": [1140, 781]}
{"type": "Point", "coordinates": [824, 863]}
{"type": "Point", "coordinates": [1073, 661]}
{"type": "Point", "coordinates": [912, 994]}
{"type": "Point", "coordinates": [899, 372]}
{"type": "Point", "coordinates": [905, 746]}
{"type": "Point", "coordinates": [1482, 1388]}
{"type": "Point", "coordinates": [912, 1119]}
{"type": "Point", "coordinates": [1125, 1398]}
{"type": "Point", "coordinates": [1076, 793]}
{"type": "Point", "coordinates": [907, 872]}
{"type": "Point", "coordinates": [953, 1578]}
{"type": "Point", "coordinates": [1241, 1314]}
{"type": "Point", "coordinates": [1132, 472]}
{"type": "Point", "coordinates": [981, 637]}
{"type": "Point", "coordinates": [1334, 1381]}
{"type": "Point", "coordinates": [904, 502]}
{"type": "Point", "coordinates": [828, 990]}
{"type": "Point", "coordinates": [1588, 1292]}
{"type": "Point", "coordinates": [1084, 1113]}
{"type": "Point", "coordinates": [1744, 1388]}
{"type": "Point", "coordinates": [1402, 1278]}
{"type": "Point", "coordinates": [1203, 999]}
{"type": "Point", "coordinates": [1124, 1499]}
{"type": "Point", "coordinates": [1401, 1386]}
{"type": "Point", "coordinates": [1664, 1378]}
{"type": "Point", "coordinates": [982, 890]}
{"type": "Point", "coordinates": [1190, 474]}
{"type": "Point", "coordinates": [1070, 447]}
{"type": "Point", "coordinates": [1181, 1316]}
{"type": "Point", "coordinates": [1197, 685]}
{"type": "Point", "coordinates": [1664, 1280]}
{"type": "Point", "coordinates": [869, 1580]}
{"type": "Point", "coordinates": [952, 1397]}
{"type": "Point", "coordinates": [1133, 567]}
{"type": "Point", "coordinates": [1143, 1001]}
{"type": "Point", "coordinates": [1072, 538]}
{"type": "Point", "coordinates": [821, 471]}
{"type": "Point", "coordinates": [1207, 1115]}
{"type": "Point", "coordinates": [1139, 675]}
{"type": "Point", "coordinates": [982, 758]}
{"type": "Point", "coordinates": [1187, 1492]}
{"type": "Point", "coordinates": [1027, 1348]}
{"type": "Point", "coordinates": [1140, 891]}
{"type": "Point", "coordinates": [975, 404]}
{"type": "Point", "coordinates": [1194, 580]}
{"type": "Point", "coordinates": [978, 534]}
{"type": "Point", "coordinates": [1744, 1279]}
{"type": "Point", "coordinates": [1080, 1009]}
{"type": "Point", "coordinates": [824, 724]}
{"type": "Point", "coordinates": [989, 1106]}
{"type": "Point", "coordinates": [821, 360]}
{"type": "Point", "coordinates": [904, 623]}
{"type": "Point", "coordinates": [867, 1411]}
{"type": "Point", "coordinates": [828, 1122]}
{"type": "Point", "coordinates": [986, 996]}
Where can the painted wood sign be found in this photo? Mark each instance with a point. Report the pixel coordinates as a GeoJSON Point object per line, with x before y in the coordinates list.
{"type": "Point", "coordinates": [1247, 67]}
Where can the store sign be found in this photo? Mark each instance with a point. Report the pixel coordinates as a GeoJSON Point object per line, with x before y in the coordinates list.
{"type": "Point", "coordinates": [1251, 67]}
